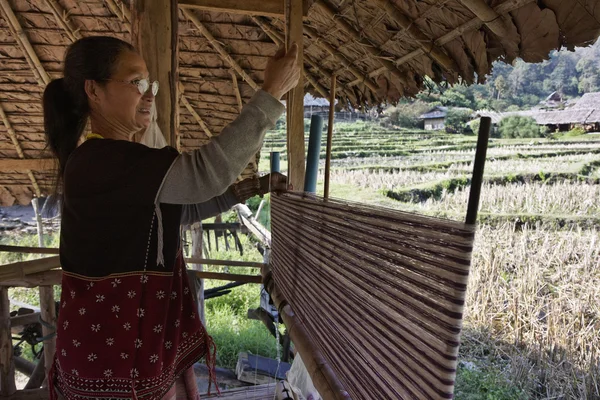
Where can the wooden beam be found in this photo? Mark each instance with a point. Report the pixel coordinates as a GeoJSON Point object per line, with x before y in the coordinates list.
{"type": "Point", "coordinates": [229, 277]}
{"type": "Point", "coordinates": [63, 20]}
{"type": "Point", "coordinates": [27, 164]}
{"type": "Point", "coordinates": [53, 277]}
{"type": "Point", "coordinates": [488, 16]}
{"type": "Point", "coordinates": [154, 32]}
{"type": "Point", "coordinates": [25, 319]}
{"type": "Point", "coordinates": [121, 11]}
{"type": "Point", "coordinates": [236, 89]}
{"type": "Point", "coordinates": [295, 98]}
{"type": "Point", "coordinates": [197, 117]}
{"type": "Point", "coordinates": [19, 270]}
{"type": "Point", "coordinates": [219, 48]}
{"type": "Point", "coordinates": [28, 249]}
{"type": "Point", "coordinates": [329, 138]}
{"type": "Point", "coordinates": [48, 311]}
{"type": "Point", "coordinates": [7, 365]}
{"type": "Point", "coordinates": [271, 8]}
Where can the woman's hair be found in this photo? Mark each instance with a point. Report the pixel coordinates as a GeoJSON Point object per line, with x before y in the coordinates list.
{"type": "Point", "coordinates": [66, 107]}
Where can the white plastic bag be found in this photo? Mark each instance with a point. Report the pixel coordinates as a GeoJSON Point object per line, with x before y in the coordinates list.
{"type": "Point", "coordinates": [153, 136]}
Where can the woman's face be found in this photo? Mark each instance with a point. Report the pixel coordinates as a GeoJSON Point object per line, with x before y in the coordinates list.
{"type": "Point", "coordinates": [120, 101]}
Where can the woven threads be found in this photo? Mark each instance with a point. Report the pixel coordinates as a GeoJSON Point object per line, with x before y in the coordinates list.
{"type": "Point", "coordinates": [382, 292]}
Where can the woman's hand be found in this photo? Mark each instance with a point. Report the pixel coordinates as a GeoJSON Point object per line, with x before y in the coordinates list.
{"type": "Point", "coordinates": [282, 73]}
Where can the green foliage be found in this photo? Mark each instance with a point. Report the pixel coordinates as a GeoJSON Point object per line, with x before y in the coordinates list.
{"type": "Point", "coordinates": [519, 127]}
{"type": "Point", "coordinates": [407, 115]}
{"type": "Point", "coordinates": [576, 131]}
{"type": "Point", "coordinates": [456, 121]}
{"type": "Point", "coordinates": [481, 384]}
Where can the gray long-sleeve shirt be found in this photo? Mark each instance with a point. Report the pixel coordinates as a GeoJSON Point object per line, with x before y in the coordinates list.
{"type": "Point", "coordinates": [200, 178]}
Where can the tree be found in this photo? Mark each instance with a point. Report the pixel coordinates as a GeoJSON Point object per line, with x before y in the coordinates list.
{"type": "Point", "coordinates": [456, 121]}
{"type": "Point", "coordinates": [501, 86]}
{"type": "Point", "coordinates": [407, 115]}
{"type": "Point", "coordinates": [519, 127]}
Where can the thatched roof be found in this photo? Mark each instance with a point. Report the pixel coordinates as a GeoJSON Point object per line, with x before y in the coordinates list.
{"type": "Point", "coordinates": [588, 101]}
{"type": "Point", "coordinates": [380, 50]}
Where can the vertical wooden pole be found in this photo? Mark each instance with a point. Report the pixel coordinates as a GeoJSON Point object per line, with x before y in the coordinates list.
{"type": "Point", "coordinates": [48, 310]}
{"type": "Point", "coordinates": [295, 98]}
{"type": "Point", "coordinates": [38, 217]}
{"type": "Point", "coordinates": [154, 25]}
{"type": "Point", "coordinates": [329, 135]}
{"type": "Point", "coordinates": [196, 230]}
{"type": "Point", "coordinates": [478, 168]}
{"type": "Point", "coordinates": [7, 364]}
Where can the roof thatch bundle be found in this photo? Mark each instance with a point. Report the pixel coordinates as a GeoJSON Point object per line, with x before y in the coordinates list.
{"type": "Point", "coordinates": [380, 50]}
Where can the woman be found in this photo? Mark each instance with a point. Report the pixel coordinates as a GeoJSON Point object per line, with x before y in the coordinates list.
{"type": "Point", "coordinates": [127, 325]}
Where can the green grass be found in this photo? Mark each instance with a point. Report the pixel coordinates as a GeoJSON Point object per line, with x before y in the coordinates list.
{"type": "Point", "coordinates": [484, 384]}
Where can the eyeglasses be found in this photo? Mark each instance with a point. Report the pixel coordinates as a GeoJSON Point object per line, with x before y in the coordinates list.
{"type": "Point", "coordinates": [142, 85]}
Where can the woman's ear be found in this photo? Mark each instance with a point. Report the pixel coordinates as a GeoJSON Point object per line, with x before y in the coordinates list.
{"type": "Point", "coordinates": [91, 89]}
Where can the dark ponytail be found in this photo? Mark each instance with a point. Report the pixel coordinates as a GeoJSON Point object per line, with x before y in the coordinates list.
{"type": "Point", "coordinates": [66, 107]}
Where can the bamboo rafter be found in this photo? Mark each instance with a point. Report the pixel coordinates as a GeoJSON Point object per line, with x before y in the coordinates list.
{"type": "Point", "coordinates": [217, 46]}
{"type": "Point", "coordinates": [38, 71]}
{"type": "Point", "coordinates": [471, 25]}
{"type": "Point", "coordinates": [278, 40]}
{"type": "Point", "coordinates": [369, 47]}
{"type": "Point", "coordinates": [323, 45]}
{"type": "Point", "coordinates": [415, 33]}
{"type": "Point", "coordinates": [197, 117]}
{"type": "Point", "coordinates": [236, 89]}
{"type": "Point", "coordinates": [488, 16]}
{"type": "Point", "coordinates": [62, 19]}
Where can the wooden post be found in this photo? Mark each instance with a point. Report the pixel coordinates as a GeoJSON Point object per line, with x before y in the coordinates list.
{"type": "Point", "coordinates": [295, 98]}
{"type": "Point", "coordinates": [48, 310]}
{"type": "Point", "coordinates": [329, 136]}
{"type": "Point", "coordinates": [196, 230]}
{"type": "Point", "coordinates": [154, 25]}
{"type": "Point", "coordinates": [7, 364]}
{"type": "Point", "coordinates": [38, 217]}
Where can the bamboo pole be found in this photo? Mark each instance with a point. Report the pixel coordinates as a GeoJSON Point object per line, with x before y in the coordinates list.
{"type": "Point", "coordinates": [488, 16]}
{"type": "Point", "coordinates": [24, 41]}
{"type": "Point", "coordinates": [120, 11]}
{"type": "Point", "coordinates": [329, 137]}
{"type": "Point", "coordinates": [49, 317]}
{"type": "Point", "coordinates": [62, 19]}
{"type": "Point", "coordinates": [197, 117]}
{"type": "Point", "coordinates": [19, 270]}
{"type": "Point", "coordinates": [196, 231]}
{"type": "Point", "coordinates": [38, 219]}
{"type": "Point", "coordinates": [229, 277]}
{"type": "Point", "coordinates": [7, 365]}
{"type": "Point", "coordinates": [227, 263]}
{"type": "Point", "coordinates": [52, 277]}
{"type": "Point", "coordinates": [236, 89]}
{"type": "Point", "coordinates": [217, 46]}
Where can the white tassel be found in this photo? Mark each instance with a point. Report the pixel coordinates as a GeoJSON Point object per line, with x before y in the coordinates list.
{"type": "Point", "coordinates": [160, 257]}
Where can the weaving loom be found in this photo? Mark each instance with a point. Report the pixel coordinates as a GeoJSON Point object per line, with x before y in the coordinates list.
{"type": "Point", "coordinates": [376, 295]}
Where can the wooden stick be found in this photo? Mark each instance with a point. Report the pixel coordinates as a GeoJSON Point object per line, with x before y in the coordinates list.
{"type": "Point", "coordinates": [28, 249]}
{"type": "Point", "coordinates": [7, 365]}
{"type": "Point", "coordinates": [217, 46]}
{"type": "Point", "coordinates": [26, 319]}
{"type": "Point", "coordinates": [329, 137]}
{"type": "Point", "coordinates": [273, 8]}
{"type": "Point", "coordinates": [121, 12]}
{"type": "Point", "coordinates": [26, 164]}
{"type": "Point", "coordinates": [37, 377]}
{"type": "Point", "coordinates": [229, 277]}
{"type": "Point", "coordinates": [38, 219]}
{"type": "Point", "coordinates": [19, 270]}
{"type": "Point", "coordinates": [49, 316]}
{"type": "Point", "coordinates": [62, 19]}
{"type": "Point", "coordinates": [228, 263]}
{"type": "Point", "coordinates": [24, 366]}
{"type": "Point", "coordinates": [488, 16]}
{"type": "Point", "coordinates": [197, 117]}
{"type": "Point", "coordinates": [478, 166]}
{"type": "Point", "coordinates": [236, 89]}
